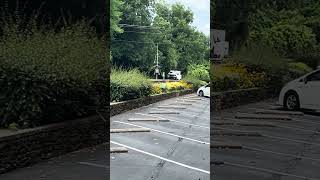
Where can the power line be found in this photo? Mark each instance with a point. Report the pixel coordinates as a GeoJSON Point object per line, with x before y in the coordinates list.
{"type": "Point", "coordinates": [142, 32]}
{"type": "Point", "coordinates": [139, 42]}
{"type": "Point", "coordinates": [138, 26]}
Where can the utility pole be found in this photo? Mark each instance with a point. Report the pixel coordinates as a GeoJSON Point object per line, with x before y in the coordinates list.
{"type": "Point", "coordinates": [157, 70]}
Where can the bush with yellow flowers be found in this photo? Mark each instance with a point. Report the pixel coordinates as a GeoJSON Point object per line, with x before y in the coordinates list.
{"type": "Point", "coordinates": [158, 88]}
{"type": "Point", "coordinates": [235, 76]}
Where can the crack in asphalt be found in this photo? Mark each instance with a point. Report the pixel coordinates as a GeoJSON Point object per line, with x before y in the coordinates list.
{"type": "Point", "coordinates": [293, 163]}
{"type": "Point", "coordinates": [157, 171]}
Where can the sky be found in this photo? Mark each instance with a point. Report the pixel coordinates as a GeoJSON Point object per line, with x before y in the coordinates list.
{"type": "Point", "coordinates": [201, 13]}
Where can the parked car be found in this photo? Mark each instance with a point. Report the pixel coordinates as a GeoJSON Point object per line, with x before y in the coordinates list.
{"type": "Point", "coordinates": [175, 75]}
{"type": "Point", "coordinates": [204, 91]}
{"type": "Point", "coordinates": [302, 93]}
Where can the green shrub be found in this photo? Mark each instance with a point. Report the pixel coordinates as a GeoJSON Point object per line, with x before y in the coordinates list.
{"type": "Point", "coordinates": [129, 84]}
{"type": "Point", "coordinates": [259, 58]}
{"type": "Point", "coordinates": [196, 83]}
{"type": "Point", "coordinates": [297, 69]}
{"type": "Point", "coordinates": [49, 76]}
{"type": "Point", "coordinates": [199, 71]}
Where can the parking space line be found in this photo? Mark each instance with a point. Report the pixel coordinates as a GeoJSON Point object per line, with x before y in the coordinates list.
{"type": "Point", "coordinates": [162, 132]}
{"type": "Point", "coordinates": [162, 158]}
{"type": "Point", "coordinates": [171, 120]}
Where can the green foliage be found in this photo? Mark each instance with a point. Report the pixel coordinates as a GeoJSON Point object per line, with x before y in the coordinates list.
{"type": "Point", "coordinates": [196, 83]}
{"type": "Point", "coordinates": [297, 69]}
{"type": "Point", "coordinates": [290, 27]}
{"type": "Point", "coordinates": [169, 25]}
{"type": "Point", "coordinates": [115, 16]}
{"type": "Point", "coordinates": [261, 58]}
{"type": "Point", "coordinates": [233, 76]}
{"type": "Point", "coordinates": [128, 84]}
{"type": "Point", "coordinates": [288, 40]}
{"type": "Point", "coordinates": [199, 71]}
{"type": "Point", "coordinates": [49, 75]}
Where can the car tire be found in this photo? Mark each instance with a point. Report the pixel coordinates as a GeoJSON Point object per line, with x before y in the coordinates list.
{"type": "Point", "coordinates": [291, 101]}
{"type": "Point", "coordinates": [201, 93]}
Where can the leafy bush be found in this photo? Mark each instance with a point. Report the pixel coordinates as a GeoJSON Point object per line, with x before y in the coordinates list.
{"type": "Point", "coordinates": [235, 76]}
{"type": "Point", "coordinates": [158, 88]}
{"type": "Point", "coordinates": [297, 69]}
{"type": "Point", "coordinates": [129, 84]}
{"type": "Point", "coordinates": [49, 75]}
{"type": "Point", "coordinates": [259, 58]}
{"type": "Point", "coordinates": [199, 71]}
{"type": "Point", "coordinates": [196, 83]}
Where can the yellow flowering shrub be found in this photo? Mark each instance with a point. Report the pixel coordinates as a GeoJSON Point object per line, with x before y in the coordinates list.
{"type": "Point", "coordinates": [158, 88]}
{"type": "Point", "coordinates": [236, 76]}
{"type": "Point", "coordinates": [246, 79]}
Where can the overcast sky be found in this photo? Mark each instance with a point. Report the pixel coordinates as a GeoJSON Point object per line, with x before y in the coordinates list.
{"type": "Point", "coordinates": [201, 12]}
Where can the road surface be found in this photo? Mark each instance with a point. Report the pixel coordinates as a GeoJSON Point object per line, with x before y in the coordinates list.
{"type": "Point", "coordinates": [174, 149]}
{"type": "Point", "coordinates": [281, 146]}
{"type": "Point", "coordinates": [177, 146]}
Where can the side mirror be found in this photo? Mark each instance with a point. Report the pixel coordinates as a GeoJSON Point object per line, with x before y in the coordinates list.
{"type": "Point", "coordinates": [305, 80]}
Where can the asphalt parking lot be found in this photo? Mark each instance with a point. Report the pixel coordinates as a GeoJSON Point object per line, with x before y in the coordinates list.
{"type": "Point", "coordinates": [174, 143]}
{"type": "Point", "coordinates": [261, 141]}
{"type": "Point", "coordinates": [175, 146]}
{"type": "Point", "coordinates": [86, 164]}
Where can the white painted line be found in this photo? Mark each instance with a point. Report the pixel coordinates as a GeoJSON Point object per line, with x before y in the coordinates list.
{"type": "Point", "coordinates": [162, 158]}
{"type": "Point", "coordinates": [162, 132]}
{"type": "Point", "coordinates": [171, 120]}
{"type": "Point", "coordinates": [93, 164]}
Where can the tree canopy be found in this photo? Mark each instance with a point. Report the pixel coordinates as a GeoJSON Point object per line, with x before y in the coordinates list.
{"type": "Point", "coordinates": [139, 26]}
{"type": "Point", "coordinates": [291, 27]}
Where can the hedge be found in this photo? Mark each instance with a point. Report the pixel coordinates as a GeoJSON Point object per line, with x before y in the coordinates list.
{"type": "Point", "coordinates": [128, 84]}
{"type": "Point", "coordinates": [49, 76]}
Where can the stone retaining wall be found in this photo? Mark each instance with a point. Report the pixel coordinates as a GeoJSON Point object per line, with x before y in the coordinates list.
{"type": "Point", "coordinates": [229, 99]}
{"type": "Point", "coordinates": [118, 108]}
{"type": "Point", "coordinates": [26, 147]}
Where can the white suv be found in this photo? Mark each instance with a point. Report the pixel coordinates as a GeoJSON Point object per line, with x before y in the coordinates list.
{"type": "Point", "coordinates": [303, 92]}
{"type": "Point", "coordinates": [175, 75]}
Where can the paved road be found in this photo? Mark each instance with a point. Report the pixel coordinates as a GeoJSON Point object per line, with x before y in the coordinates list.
{"type": "Point", "coordinates": [178, 149]}
{"type": "Point", "coordinates": [290, 150]}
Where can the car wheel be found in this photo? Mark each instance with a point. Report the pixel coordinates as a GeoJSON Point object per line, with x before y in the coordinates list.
{"type": "Point", "coordinates": [291, 101]}
{"type": "Point", "coordinates": [201, 93]}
